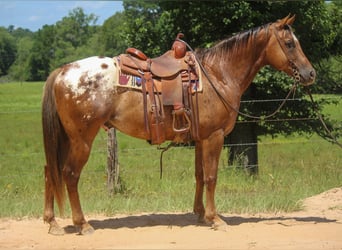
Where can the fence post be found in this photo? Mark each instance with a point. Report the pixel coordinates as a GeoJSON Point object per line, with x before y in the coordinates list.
{"type": "Point", "coordinates": [244, 147]}
{"type": "Point", "coordinates": [113, 182]}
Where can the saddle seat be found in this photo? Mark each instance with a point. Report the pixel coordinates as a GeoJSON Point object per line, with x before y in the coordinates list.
{"type": "Point", "coordinates": [167, 65]}
{"type": "Point", "coordinates": [164, 66]}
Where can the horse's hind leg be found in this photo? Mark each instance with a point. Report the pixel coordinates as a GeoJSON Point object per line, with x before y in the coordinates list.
{"type": "Point", "coordinates": [77, 157]}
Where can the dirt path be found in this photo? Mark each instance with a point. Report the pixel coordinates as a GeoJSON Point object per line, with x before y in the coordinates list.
{"type": "Point", "coordinates": [319, 226]}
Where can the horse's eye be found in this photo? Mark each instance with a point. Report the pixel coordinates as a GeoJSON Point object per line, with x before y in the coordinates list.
{"type": "Point", "coordinates": [290, 44]}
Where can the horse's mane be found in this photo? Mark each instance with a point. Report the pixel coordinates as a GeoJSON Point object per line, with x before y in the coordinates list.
{"type": "Point", "coordinates": [231, 44]}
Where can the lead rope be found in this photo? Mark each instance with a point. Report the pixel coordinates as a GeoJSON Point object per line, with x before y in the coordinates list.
{"type": "Point", "coordinates": [163, 150]}
{"type": "Point", "coordinates": [320, 117]}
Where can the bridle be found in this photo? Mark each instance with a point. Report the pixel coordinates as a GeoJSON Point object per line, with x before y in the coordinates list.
{"type": "Point", "coordinates": [289, 57]}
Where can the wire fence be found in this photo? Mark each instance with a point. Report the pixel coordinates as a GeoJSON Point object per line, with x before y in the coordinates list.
{"type": "Point", "coordinates": [103, 149]}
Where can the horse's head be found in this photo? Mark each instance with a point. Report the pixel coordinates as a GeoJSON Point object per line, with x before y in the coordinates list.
{"type": "Point", "coordinates": [285, 53]}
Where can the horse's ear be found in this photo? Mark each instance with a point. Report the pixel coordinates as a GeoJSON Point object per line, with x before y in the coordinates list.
{"type": "Point", "coordinates": [290, 19]}
{"type": "Point", "coordinates": [286, 21]}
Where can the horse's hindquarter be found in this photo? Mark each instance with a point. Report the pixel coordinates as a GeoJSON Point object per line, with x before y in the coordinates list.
{"type": "Point", "coordinates": [84, 93]}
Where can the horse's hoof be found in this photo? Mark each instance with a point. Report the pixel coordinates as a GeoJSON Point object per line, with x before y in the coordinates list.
{"type": "Point", "coordinates": [56, 230]}
{"type": "Point", "coordinates": [219, 225]}
{"type": "Point", "coordinates": [87, 229]}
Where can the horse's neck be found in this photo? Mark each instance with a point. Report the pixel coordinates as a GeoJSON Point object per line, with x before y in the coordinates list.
{"type": "Point", "coordinates": [238, 66]}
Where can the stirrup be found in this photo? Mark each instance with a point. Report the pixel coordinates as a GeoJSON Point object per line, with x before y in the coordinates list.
{"type": "Point", "coordinates": [188, 122]}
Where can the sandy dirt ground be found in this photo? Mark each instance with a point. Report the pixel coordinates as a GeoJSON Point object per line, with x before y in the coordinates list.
{"type": "Point", "coordinates": [318, 226]}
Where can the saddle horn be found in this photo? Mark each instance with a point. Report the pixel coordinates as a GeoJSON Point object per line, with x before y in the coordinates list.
{"type": "Point", "coordinates": [179, 47]}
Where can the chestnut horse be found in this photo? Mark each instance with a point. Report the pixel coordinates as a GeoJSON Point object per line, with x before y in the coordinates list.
{"type": "Point", "coordinates": [80, 97]}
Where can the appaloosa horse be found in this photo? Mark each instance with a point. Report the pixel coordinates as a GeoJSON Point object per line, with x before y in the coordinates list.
{"type": "Point", "coordinates": [80, 97]}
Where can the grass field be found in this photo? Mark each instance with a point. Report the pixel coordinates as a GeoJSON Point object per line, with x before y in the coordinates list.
{"type": "Point", "coordinates": [290, 169]}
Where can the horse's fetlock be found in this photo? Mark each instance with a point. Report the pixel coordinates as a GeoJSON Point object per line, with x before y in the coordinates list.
{"type": "Point", "coordinates": [48, 218]}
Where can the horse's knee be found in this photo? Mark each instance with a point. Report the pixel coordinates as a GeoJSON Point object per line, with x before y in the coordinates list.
{"type": "Point", "coordinates": [210, 180]}
{"type": "Point", "coordinates": [71, 178]}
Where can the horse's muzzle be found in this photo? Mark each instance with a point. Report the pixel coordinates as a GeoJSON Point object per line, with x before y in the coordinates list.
{"type": "Point", "coordinates": [307, 77]}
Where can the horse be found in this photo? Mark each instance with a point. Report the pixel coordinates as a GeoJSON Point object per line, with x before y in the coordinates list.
{"type": "Point", "coordinates": [80, 97]}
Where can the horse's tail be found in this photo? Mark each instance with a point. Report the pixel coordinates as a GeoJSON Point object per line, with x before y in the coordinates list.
{"type": "Point", "coordinates": [54, 141]}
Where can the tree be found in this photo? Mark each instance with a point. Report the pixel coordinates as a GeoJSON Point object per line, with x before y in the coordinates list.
{"type": "Point", "coordinates": [41, 54]}
{"type": "Point", "coordinates": [148, 27]}
{"type": "Point", "coordinates": [71, 37]}
{"type": "Point", "coordinates": [7, 51]}
{"type": "Point", "coordinates": [76, 28]}
{"type": "Point", "coordinates": [330, 67]}
{"type": "Point", "coordinates": [113, 35]}
{"type": "Point", "coordinates": [20, 68]}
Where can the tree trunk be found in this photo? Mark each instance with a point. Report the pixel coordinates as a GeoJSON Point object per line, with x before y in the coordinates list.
{"type": "Point", "coordinates": [243, 147]}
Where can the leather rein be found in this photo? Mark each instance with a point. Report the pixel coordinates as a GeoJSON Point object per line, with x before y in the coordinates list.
{"type": "Point", "coordinates": [228, 105]}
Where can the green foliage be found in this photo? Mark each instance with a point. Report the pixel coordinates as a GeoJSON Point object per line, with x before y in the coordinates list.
{"type": "Point", "coordinates": [145, 28]}
{"type": "Point", "coordinates": [72, 38]}
{"type": "Point", "coordinates": [76, 27]}
{"type": "Point", "coordinates": [20, 68]}
{"type": "Point", "coordinates": [41, 53]}
{"type": "Point", "coordinates": [113, 35]}
{"type": "Point", "coordinates": [205, 22]}
{"type": "Point", "coordinates": [7, 51]}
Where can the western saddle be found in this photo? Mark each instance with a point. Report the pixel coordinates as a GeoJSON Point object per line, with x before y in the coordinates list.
{"type": "Point", "coordinates": [167, 80]}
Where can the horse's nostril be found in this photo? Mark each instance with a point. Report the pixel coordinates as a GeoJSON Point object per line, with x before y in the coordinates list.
{"type": "Point", "coordinates": [312, 74]}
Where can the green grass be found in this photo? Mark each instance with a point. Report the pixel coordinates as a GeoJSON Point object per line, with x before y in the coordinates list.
{"type": "Point", "coordinates": [290, 169]}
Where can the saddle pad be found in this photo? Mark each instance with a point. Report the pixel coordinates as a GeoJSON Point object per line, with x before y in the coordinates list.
{"type": "Point", "coordinates": [135, 82]}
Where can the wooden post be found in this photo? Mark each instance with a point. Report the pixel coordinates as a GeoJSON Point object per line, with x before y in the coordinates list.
{"type": "Point", "coordinates": [113, 182]}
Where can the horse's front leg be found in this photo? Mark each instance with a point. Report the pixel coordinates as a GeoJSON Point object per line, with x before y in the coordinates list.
{"type": "Point", "coordinates": [207, 155]}
{"type": "Point", "coordinates": [198, 204]}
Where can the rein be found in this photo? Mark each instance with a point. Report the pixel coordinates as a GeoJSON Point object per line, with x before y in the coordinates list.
{"type": "Point", "coordinates": [320, 117]}
{"type": "Point", "coordinates": [296, 77]}
{"type": "Point", "coordinates": [229, 105]}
